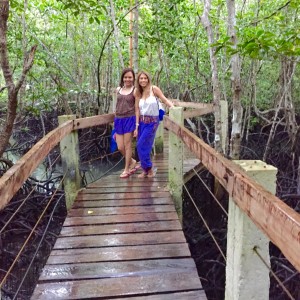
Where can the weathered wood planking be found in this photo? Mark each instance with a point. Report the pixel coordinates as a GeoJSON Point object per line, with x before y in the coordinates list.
{"type": "Point", "coordinates": [121, 228]}
{"type": "Point", "coordinates": [122, 253]}
{"type": "Point", "coordinates": [104, 211]}
{"type": "Point", "coordinates": [128, 183]}
{"type": "Point", "coordinates": [93, 121]}
{"type": "Point", "coordinates": [198, 112]}
{"type": "Point", "coordinates": [122, 196]}
{"type": "Point", "coordinates": [121, 238]}
{"type": "Point", "coordinates": [110, 288]}
{"type": "Point", "coordinates": [128, 202]}
{"type": "Point", "coordinates": [276, 219]}
{"type": "Point", "coordinates": [96, 270]}
{"type": "Point", "coordinates": [128, 189]}
{"type": "Point", "coordinates": [194, 295]}
{"type": "Point", "coordinates": [74, 221]}
{"type": "Point", "coordinates": [144, 238]}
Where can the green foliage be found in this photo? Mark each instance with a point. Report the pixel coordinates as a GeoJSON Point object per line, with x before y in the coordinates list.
{"type": "Point", "coordinates": [173, 46]}
{"type": "Point", "coordinates": [93, 7]}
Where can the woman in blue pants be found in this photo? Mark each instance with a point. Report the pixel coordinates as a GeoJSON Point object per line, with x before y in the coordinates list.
{"type": "Point", "coordinates": [147, 111]}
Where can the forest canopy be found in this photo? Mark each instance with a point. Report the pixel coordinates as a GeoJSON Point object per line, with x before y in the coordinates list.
{"type": "Point", "coordinates": [251, 48]}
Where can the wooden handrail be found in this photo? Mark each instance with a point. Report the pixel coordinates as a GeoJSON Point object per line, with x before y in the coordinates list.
{"type": "Point", "coordinates": [197, 105]}
{"type": "Point", "coordinates": [276, 219]}
{"type": "Point", "coordinates": [14, 178]}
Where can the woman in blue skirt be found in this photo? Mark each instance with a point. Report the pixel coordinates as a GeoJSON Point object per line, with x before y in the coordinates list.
{"type": "Point", "coordinates": [147, 114]}
{"type": "Point", "coordinates": [125, 119]}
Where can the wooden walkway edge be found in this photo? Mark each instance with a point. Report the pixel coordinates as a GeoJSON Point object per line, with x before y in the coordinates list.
{"type": "Point", "coordinates": [122, 240]}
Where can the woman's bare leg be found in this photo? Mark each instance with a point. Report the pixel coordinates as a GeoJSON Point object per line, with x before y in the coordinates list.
{"type": "Point", "coordinates": [120, 143]}
{"type": "Point", "coordinates": [128, 150]}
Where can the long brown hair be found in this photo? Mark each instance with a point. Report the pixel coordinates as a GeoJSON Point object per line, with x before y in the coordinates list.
{"type": "Point", "coordinates": [143, 91]}
{"type": "Point", "coordinates": [123, 74]}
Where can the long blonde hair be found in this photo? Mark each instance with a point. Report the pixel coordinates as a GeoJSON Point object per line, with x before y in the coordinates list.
{"type": "Point", "coordinates": [143, 92]}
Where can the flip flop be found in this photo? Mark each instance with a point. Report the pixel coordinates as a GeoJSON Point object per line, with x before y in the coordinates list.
{"type": "Point", "coordinates": [125, 174]}
{"type": "Point", "coordinates": [133, 164]}
{"type": "Point", "coordinates": [133, 170]}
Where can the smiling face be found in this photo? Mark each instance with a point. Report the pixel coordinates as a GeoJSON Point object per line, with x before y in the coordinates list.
{"type": "Point", "coordinates": [128, 79]}
{"type": "Point", "coordinates": [143, 80]}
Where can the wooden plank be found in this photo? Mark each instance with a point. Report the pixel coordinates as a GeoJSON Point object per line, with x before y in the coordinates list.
{"type": "Point", "coordinates": [113, 240]}
{"type": "Point", "coordinates": [124, 183]}
{"type": "Point", "coordinates": [98, 120]}
{"type": "Point", "coordinates": [197, 105]}
{"type": "Point", "coordinates": [128, 202]}
{"type": "Point", "coordinates": [133, 179]}
{"type": "Point", "coordinates": [116, 196]}
{"type": "Point", "coordinates": [160, 176]}
{"type": "Point", "coordinates": [198, 112]}
{"type": "Point", "coordinates": [194, 295]}
{"type": "Point", "coordinates": [14, 178]}
{"type": "Point", "coordinates": [118, 253]}
{"type": "Point", "coordinates": [121, 219]}
{"type": "Point", "coordinates": [121, 228]}
{"type": "Point", "coordinates": [276, 219]}
{"type": "Point", "coordinates": [135, 189]}
{"type": "Point", "coordinates": [103, 211]}
{"type": "Point", "coordinates": [115, 269]}
{"type": "Point", "coordinates": [123, 286]}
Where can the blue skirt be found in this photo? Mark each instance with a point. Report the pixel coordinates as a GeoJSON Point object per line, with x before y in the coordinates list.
{"type": "Point", "coordinates": [125, 125]}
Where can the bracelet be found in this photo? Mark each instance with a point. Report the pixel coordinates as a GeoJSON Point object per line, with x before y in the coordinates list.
{"type": "Point", "coordinates": [137, 124]}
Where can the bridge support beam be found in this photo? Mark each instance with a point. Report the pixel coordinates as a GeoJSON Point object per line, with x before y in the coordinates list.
{"type": "Point", "coordinates": [69, 149]}
{"type": "Point", "coordinates": [176, 161]}
{"type": "Point", "coordinates": [246, 275]}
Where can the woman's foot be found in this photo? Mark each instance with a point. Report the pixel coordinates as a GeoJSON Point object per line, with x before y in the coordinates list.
{"type": "Point", "coordinates": [143, 175]}
{"type": "Point", "coordinates": [125, 174]}
{"type": "Point", "coordinates": [132, 164]}
{"type": "Point", "coordinates": [152, 172]}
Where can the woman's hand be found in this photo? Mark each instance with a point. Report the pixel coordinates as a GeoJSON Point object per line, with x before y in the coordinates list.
{"type": "Point", "coordinates": [135, 133]}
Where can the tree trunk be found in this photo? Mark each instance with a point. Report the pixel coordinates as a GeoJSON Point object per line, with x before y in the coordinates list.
{"type": "Point", "coordinates": [12, 88]}
{"type": "Point", "coordinates": [136, 37]}
{"type": "Point", "coordinates": [237, 111]}
{"type": "Point", "coordinates": [215, 79]}
{"type": "Point", "coordinates": [131, 36]}
{"type": "Point", "coordinates": [286, 77]}
{"type": "Point", "coordinates": [116, 33]}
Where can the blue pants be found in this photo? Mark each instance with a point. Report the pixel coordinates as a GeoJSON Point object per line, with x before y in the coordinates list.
{"type": "Point", "coordinates": [146, 135]}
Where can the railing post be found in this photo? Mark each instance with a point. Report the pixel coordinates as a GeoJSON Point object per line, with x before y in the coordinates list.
{"type": "Point", "coordinates": [69, 149]}
{"type": "Point", "coordinates": [159, 139]}
{"type": "Point", "coordinates": [176, 161]}
{"type": "Point", "coordinates": [246, 275]}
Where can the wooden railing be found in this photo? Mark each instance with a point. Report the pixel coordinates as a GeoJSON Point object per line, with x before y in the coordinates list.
{"type": "Point", "coordinates": [14, 178]}
{"type": "Point", "coordinates": [276, 219]}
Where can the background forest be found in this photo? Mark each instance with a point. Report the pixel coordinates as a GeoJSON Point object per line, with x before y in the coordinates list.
{"type": "Point", "coordinates": [243, 52]}
{"type": "Point", "coordinates": [66, 56]}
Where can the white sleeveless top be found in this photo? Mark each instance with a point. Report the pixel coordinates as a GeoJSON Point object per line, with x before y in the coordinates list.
{"type": "Point", "coordinates": [149, 106]}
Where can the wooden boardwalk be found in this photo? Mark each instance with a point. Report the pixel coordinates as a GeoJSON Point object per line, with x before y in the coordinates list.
{"type": "Point", "coordinates": [122, 240]}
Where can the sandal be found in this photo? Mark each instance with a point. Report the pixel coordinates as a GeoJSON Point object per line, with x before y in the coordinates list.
{"type": "Point", "coordinates": [133, 170]}
{"type": "Point", "coordinates": [133, 164]}
{"type": "Point", "coordinates": [125, 174]}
